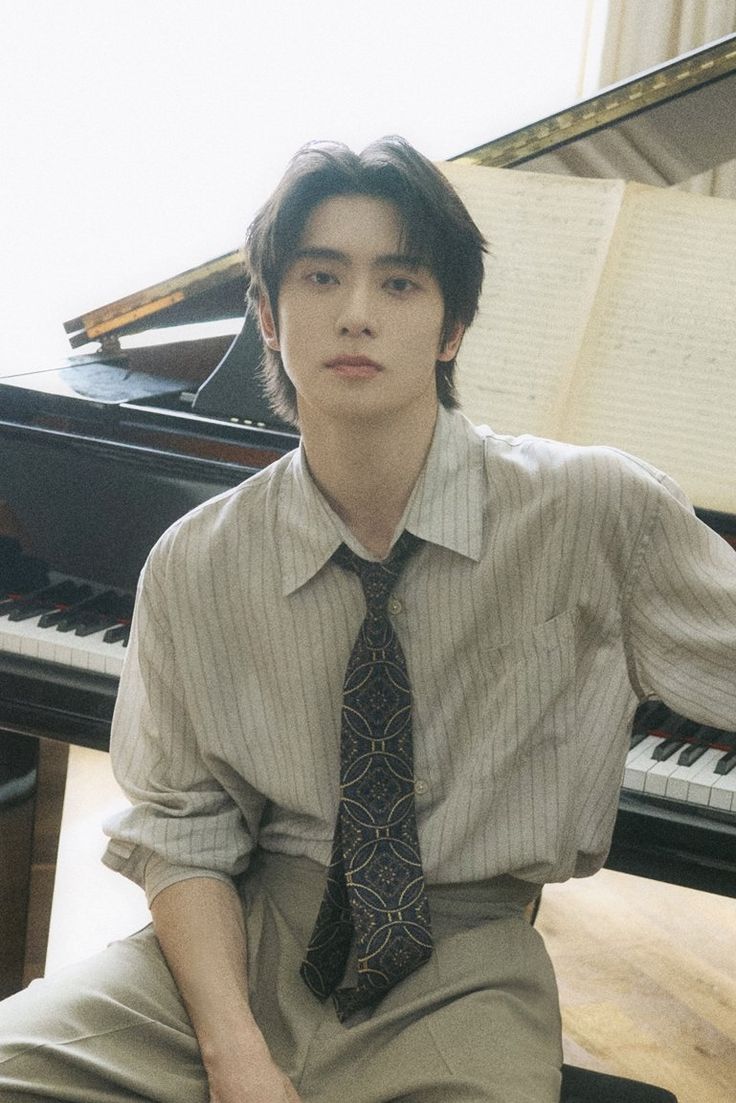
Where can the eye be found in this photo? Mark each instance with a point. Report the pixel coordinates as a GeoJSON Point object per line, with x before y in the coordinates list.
{"type": "Point", "coordinates": [321, 279]}
{"type": "Point", "coordinates": [400, 284]}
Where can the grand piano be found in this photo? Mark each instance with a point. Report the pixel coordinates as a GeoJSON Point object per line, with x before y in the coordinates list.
{"type": "Point", "coordinates": [101, 454]}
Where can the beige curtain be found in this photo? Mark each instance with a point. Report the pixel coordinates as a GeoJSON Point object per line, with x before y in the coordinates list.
{"type": "Point", "coordinates": [643, 33]}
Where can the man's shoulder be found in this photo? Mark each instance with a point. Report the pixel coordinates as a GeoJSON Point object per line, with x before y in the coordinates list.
{"type": "Point", "coordinates": [248, 508]}
{"type": "Point", "coordinates": [595, 481]}
{"type": "Point", "coordinates": [539, 456]}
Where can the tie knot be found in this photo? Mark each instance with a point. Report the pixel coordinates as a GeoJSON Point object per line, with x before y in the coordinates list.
{"type": "Point", "coordinates": [378, 579]}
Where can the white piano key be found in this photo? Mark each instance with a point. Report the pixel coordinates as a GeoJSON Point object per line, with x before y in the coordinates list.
{"type": "Point", "coordinates": [697, 778]}
{"type": "Point", "coordinates": [97, 661]}
{"type": "Point", "coordinates": [26, 637]}
{"type": "Point", "coordinates": [655, 780]}
{"type": "Point", "coordinates": [114, 661]}
{"type": "Point", "coordinates": [639, 762]}
{"type": "Point", "coordinates": [723, 793]}
{"type": "Point", "coordinates": [700, 788]}
{"type": "Point", "coordinates": [8, 642]}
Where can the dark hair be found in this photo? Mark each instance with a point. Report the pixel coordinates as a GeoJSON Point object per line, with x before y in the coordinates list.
{"type": "Point", "coordinates": [436, 228]}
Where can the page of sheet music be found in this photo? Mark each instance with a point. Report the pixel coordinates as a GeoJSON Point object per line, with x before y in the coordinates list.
{"type": "Point", "coordinates": [657, 370]}
{"type": "Point", "coordinates": [548, 238]}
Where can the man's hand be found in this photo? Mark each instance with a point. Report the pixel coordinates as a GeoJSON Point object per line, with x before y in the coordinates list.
{"type": "Point", "coordinates": [280, 1090]}
{"type": "Point", "coordinates": [200, 926]}
{"type": "Point", "coordinates": [253, 1079]}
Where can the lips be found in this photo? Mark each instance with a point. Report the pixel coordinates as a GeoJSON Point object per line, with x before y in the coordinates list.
{"type": "Point", "coordinates": [354, 367]}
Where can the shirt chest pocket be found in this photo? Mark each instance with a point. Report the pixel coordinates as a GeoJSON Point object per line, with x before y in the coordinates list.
{"type": "Point", "coordinates": [527, 701]}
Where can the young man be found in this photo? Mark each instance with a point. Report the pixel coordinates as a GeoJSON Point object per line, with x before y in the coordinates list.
{"type": "Point", "coordinates": [375, 836]}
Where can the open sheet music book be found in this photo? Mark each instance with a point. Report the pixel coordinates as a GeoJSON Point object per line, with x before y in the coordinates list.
{"type": "Point", "coordinates": [608, 317]}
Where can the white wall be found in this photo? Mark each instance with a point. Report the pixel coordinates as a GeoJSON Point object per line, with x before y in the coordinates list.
{"type": "Point", "coordinates": [138, 136]}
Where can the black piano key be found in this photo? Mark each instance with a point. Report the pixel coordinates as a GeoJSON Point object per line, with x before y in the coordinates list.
{"type": "Point", "coordinates": [94, 623]}
{"type": "Point", "coordinates": [93, 615]}
{"type": "Point", "coordinates": [58, 591]}
{"type": "Point", "coordinates": [84, 624]}
{"type": "Point", "coordinates": [67, 593]}
{"type": "Point", "coordinates": [667, 748]}
{"type": "Point", "coordinates": [678, 731]}
{"type": "Point", "coordinates": [726, 764]}
{"type": "Point", "coordinates": [49, 620]}
{"type": "Point", "coordinates": [27, 610]}
{"type": "Point", "coordinates": [14, 600]}
{"type": "Point", "coordinates": [691, 753]}
{"type": "Point", "coordinates": [68, 622]}
{"type": "Point", "coordinates": [119, 634]}
{"type": "Point", "coordinates": [646, 713]}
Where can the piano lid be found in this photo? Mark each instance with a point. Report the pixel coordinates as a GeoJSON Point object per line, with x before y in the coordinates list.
{"type": "Point", "coordinates": [214, 290]}
{"type": "Point", "coordinates": [660, 127]}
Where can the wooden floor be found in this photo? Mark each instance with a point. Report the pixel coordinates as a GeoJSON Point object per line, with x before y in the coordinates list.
{"type": "Point", "coordinates": [647, 979]}
{"type": "Point", "coordinates": [647, 972]}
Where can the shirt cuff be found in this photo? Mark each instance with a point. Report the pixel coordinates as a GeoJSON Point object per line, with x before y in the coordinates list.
{"type": "Point", "coordinates": [151, 871]}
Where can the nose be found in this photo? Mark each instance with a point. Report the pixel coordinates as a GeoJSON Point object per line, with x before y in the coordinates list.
{"type": "Point", "coordinates": [356, 315]}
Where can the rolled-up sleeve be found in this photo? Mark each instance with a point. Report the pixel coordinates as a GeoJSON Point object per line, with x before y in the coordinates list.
{"type": "Point", "coordinates": [681, 630]}
{"type": "Point", "coordinates": [184, 821]}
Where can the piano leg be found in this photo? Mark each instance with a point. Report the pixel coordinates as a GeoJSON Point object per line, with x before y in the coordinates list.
{"type": "Point", "coordinates": [32, 779]}
{"type": "Point", "coordinates": [18, 779]}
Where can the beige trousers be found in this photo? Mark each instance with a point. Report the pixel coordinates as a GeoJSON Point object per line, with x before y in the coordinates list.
{"type": "Point", "coordinates": [479, 1023]}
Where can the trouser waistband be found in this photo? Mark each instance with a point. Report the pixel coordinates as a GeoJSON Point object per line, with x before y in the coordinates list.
{"type": "Point", "coordinates": [465, 902]}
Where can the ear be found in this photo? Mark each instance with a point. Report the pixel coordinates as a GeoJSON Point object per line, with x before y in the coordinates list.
{"type": "Point", "coordinates": [268, 325]}
{"type": "Point", "coordinates": [449, 350]}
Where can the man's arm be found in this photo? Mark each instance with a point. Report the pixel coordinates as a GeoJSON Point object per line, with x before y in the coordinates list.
{"type": "Point", "coordinates": [681, 615]}
{"type": "Point", "coordinates": [200, 926]}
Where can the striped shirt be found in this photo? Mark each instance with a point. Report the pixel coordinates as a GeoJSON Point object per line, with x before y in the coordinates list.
{"type": "Point", "coordinates": [557, 587]}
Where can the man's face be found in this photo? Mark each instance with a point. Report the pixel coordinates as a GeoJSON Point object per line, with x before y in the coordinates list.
{"type": "Point", "coordinates": [359, 323]}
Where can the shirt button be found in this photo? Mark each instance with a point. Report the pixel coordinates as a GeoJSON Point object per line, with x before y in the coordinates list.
{"type": "Point", "coordinates": [395, 605]}
{"type": "Point", "coordinates": [420, 787]}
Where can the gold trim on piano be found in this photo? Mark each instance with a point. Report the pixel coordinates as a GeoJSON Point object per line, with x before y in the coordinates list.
{"type": "Point", "coordinates": [716, 61]}
{"type": "Point", "coordinates": [150, 300]}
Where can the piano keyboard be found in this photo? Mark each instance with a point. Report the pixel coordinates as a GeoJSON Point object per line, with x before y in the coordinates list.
{"type": "Point", "coordinates": [81, 626]}
{"type": "Point", "coordinates": [681, 762]}
{"type": "Point", "coordinates": [71, 622]}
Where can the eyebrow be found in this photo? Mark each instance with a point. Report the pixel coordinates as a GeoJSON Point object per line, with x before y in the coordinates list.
{"type": "Point", "coordinates": [385, 260]}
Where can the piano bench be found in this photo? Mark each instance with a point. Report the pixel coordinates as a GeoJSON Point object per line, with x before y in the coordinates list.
{"type": "Point", "coordinates": [585, 1086]}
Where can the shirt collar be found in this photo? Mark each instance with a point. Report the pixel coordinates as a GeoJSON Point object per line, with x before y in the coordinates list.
{"type": "Point", "coordinates": [445, 506]}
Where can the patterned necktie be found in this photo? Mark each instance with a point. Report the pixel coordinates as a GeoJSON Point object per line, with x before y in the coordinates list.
{"type": "Point", "coordinates": [375, 882]}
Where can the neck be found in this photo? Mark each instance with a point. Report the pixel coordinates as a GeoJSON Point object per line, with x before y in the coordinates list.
{"type": "Point", "coordinates": [367, 471]}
